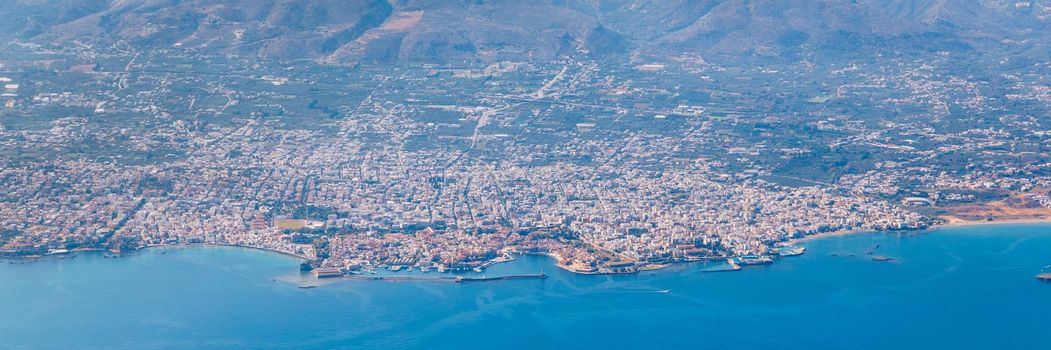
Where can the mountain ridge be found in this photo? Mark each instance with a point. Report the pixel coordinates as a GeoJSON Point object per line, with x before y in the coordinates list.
{"type": "Point", "coordinates": [349, 31]}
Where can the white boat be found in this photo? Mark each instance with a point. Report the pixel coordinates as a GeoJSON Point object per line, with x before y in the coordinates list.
{"type": "Point", "coordinates": [792, 251]}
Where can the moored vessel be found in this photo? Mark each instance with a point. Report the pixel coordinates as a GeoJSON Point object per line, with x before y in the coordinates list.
{"type": "Point", "coordinates": [791, 251]}
{"type": "Point", "coordinates": [755, 260]}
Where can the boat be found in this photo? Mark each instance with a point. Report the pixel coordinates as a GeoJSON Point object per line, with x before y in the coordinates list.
{"type": "Point", "coordinates": [755, 260]}
{"type": "Point", "coordinates": [1045, 274]}
{"type": "Point", "coordinates": [791, 251]}
{"type": "Point", "coordinates": [663, 291]}
{"type": "Point", "coordinates": [873, 250]}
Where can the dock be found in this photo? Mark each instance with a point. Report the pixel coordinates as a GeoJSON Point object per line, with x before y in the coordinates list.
{"type": "Point", "coordinates": [731, 265]}
{"type": "Point", "coordinates": [328, 273]}
{"type": "Point", "coordinates": [501, 278]}
{"type": "Point", "coordinates": [399, 278]}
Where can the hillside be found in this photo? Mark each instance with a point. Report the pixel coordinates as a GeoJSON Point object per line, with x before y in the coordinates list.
{"type": "Point", "coordinates": [344, 31]}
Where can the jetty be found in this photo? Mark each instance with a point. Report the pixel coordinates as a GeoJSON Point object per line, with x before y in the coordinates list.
{"type": "Point", "coordinates": [458, 279]}
{"type": "Point", "coordinates": [399, 278]}
{"type": "Point", "coordinates": [790, 251]}
{"type": "Point", "coordinates": [501, 278]}
{"type": "Point", "coordinates": [731, 265]}
{"type": "Point", "coordinates": [328, 273]}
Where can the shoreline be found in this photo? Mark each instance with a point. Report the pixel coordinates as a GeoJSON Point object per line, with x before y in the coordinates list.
{"type": "Point", "coordinates": [193, 245]}
{"type": "Point", "coordinates": [155, 246]}
{"type": "Point", "coordinates": [952, 221]}
{"type": "Point", "coordinates": [949, 222]}
{"type": "Point", "coordinates": [821, 235]}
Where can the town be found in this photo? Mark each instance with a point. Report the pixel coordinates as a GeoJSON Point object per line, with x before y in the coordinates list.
{"type": "Point", "coordinates": [606, 166]}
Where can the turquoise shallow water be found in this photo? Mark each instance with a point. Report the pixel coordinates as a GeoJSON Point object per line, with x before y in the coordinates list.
{"type": "Point", "coordinates": [963, 288]}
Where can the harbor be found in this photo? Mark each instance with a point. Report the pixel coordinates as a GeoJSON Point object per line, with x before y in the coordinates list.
{"type": "Point", "coordinates": [731, 265]}
{"type": "Point", "coordinates": [783, 300]}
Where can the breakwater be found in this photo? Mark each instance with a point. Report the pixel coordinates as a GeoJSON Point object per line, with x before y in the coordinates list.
{"type": "Point", "coordinates": [458, 279]}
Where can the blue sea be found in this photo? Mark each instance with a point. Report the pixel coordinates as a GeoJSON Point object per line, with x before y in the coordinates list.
{"type": "Point", "coordinates": [954, 288]}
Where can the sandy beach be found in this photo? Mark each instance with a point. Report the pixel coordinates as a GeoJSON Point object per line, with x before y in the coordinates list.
{"type": "Point", "coordinates": [950, 221]}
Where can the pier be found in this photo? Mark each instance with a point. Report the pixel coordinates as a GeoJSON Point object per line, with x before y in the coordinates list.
{"type": "Point", "coordinates": [501, 278]}
{"type": "Point", "coordinates": [328, 273]}
{"type": "Point", "coordinates": [731, 265]}
{"type": "Point", "coordinates": [399, 278]}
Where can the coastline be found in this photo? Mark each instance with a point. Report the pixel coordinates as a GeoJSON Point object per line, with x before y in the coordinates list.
{"type": "Point", "coordinates": [655, 267]}
{"type": "Point", "coordinates": [948, 222]}
{"type": "Point", "coordinates": [171, 246]}
{"type": "Point", "coordinates": [952, 221]}
{"type": "Point", "coordinates": [192, 245]}
{"type": "Point", "coordinates": [817, 236]}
